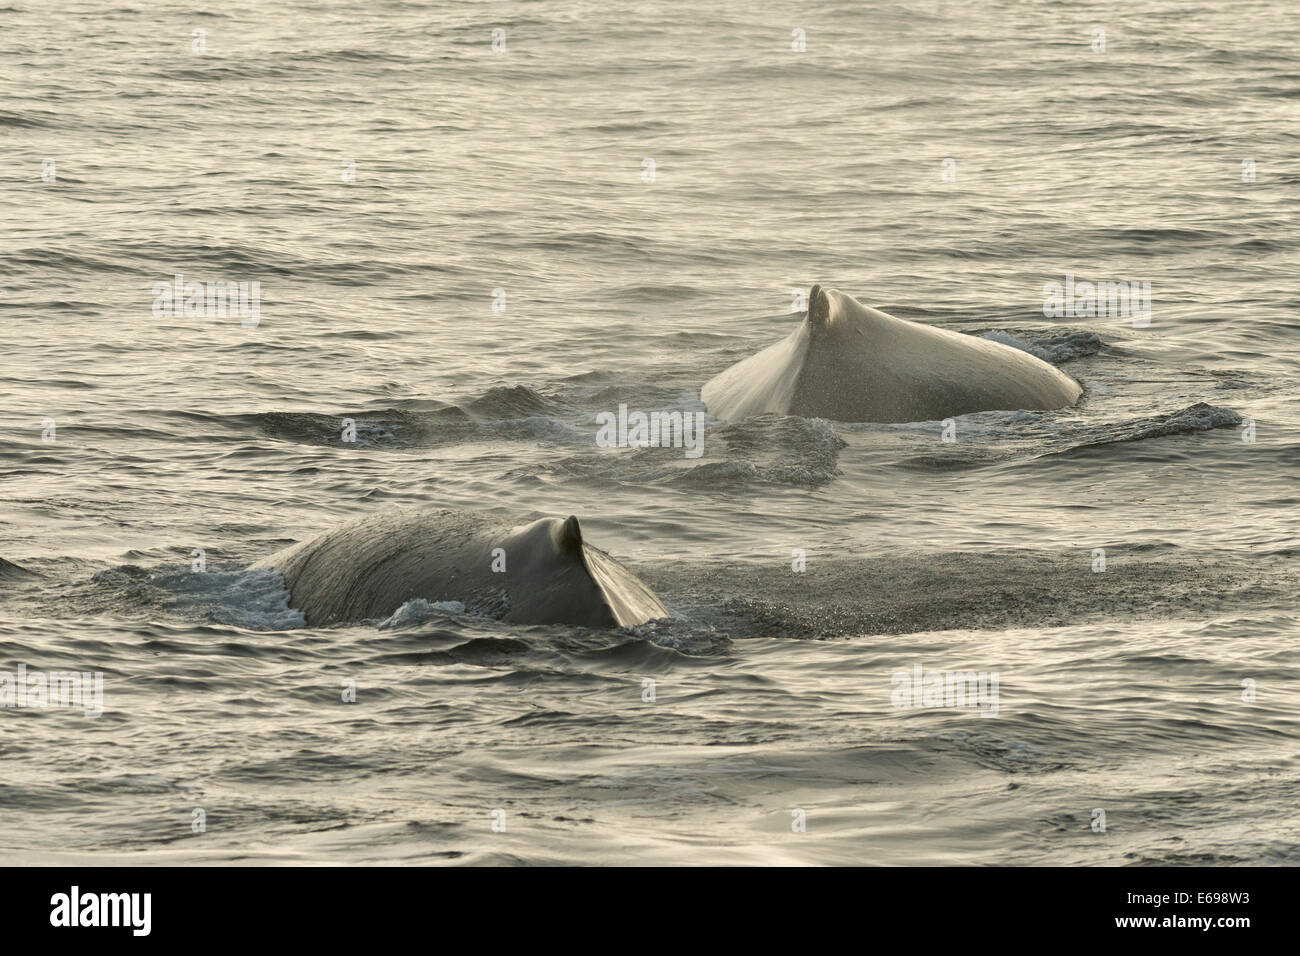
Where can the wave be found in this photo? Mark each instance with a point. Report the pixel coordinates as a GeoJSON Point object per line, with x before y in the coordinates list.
{"type": "Point", "coordinates": [13, 572]}
{"type": "Point", "coordinates": [26, 119]}
{"type": "Point", "coordinates": [1052, 346]}
{"type": "Point", "coordinates": [995, 437]}
{"type": "Point", "coordinates": [514, 412]}
{"type": "Point", "coordinates": [766, 450]}
{"type": "Point", "coordinates": [923, 592]}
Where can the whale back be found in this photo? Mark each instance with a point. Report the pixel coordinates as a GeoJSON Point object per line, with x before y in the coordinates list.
{"type": "Point", "coordinates": [545, 572]}
{"type": "Point", "coordinates": [849, 362]}
{"type": "Point", "coordinates": [761, 384]}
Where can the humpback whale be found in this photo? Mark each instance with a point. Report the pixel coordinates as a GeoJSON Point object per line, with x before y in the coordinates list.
{"type": "Point", "coordinates": [538, 573]}
{"type": "Point", "coordinates": [851, 363]}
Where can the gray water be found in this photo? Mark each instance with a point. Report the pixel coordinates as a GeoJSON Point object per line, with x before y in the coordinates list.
{"type": "Point", "coordinates": [1162, 691]}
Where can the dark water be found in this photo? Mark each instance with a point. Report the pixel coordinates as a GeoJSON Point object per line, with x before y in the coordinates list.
{"type": "Point", "coordinates": [1164, 690]}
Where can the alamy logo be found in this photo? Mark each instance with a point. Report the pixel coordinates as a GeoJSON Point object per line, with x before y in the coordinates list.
{"type": "Point", "coordinates": [923, 688]}
{"type": "Point", "coordinates": [208, 300]}
{"type": "Point", "coordinates": [55, 689]}
{"type": "Point", "coordinates": [1092, 300]}
{"type": "Point", "coordinates": [656, 430]}
{"type": "Point", "coordinates": [103, 909]}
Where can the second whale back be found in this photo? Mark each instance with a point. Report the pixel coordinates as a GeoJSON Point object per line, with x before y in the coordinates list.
{"type": "Point", "coordinates": [848, 362]}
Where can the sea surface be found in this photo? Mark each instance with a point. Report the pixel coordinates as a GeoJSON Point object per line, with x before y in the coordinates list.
{"type": "Point", "coordinates": [472, 253]}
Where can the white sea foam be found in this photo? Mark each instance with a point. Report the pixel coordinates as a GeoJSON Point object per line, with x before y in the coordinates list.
{"type": "Point", "coordinates": [255, 599]}
{"type": "Point", "coordinates": [419, 611]}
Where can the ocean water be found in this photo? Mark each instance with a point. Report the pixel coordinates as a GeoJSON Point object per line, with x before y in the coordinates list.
{"type": "Point", "coordinates": [472, 253]}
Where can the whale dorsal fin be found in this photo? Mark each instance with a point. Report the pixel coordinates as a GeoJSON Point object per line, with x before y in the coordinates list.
{"type": "Point", "coordinates": [570, 534]}
{"type": "Point", "coordinates": [819, 306]}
